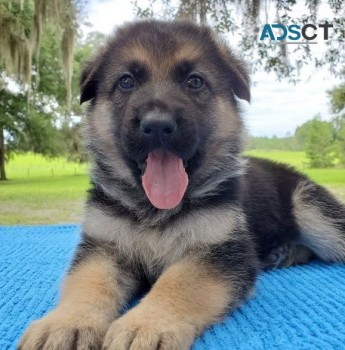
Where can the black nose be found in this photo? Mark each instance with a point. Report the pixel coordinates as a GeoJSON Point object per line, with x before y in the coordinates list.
{"type": "Point", "coordinates": [158, 126]}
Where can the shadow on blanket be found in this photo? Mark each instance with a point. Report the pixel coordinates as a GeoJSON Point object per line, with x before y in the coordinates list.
{"type": "Point", "coordinates": [294, 308]}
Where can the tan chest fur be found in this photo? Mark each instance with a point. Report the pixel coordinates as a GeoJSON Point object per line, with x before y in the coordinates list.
{"type": "Point", "coordinates": [156, 247]}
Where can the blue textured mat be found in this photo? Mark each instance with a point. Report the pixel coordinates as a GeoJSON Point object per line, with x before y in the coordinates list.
{"type": "Point", "coordinates": [296, 308]}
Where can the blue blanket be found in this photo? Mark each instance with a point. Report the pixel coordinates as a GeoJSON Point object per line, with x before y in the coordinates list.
{"type": "Point", "coordinates": [294, 308]}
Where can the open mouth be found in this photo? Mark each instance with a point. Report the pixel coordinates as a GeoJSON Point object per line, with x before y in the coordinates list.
{"type": "Point", "coordinates": [164, 179]}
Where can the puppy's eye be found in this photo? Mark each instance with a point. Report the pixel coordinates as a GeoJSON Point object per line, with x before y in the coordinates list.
{"type": "Point", "coordinates": [127, 82]}
{"type": "Point", "coordinates": [195, 82]}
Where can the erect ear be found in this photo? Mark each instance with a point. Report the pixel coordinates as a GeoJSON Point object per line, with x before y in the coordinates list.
{"type": "Point", "coordinates": [238, 74]}
{"type": "Point", "coordinates": [89, 80]}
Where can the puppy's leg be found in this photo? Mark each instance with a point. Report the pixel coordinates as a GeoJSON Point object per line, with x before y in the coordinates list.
{"type": "Point", "coordinates": [321, 221]}
{"type": "Point", "coordinates": [92, 294]}
{"type": "Point", "coordinates": [288, 254]}
{"type": "Point", "coordinates": [189, 296]}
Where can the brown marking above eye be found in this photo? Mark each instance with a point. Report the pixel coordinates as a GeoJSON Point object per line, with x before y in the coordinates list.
{"type": "Point", "coordinates": [139, 71]}
{"type": "Point", "coordinates": [182, 70]}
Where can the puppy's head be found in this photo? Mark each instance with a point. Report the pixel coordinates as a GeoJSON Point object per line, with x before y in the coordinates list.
{"type": "Point", "coordinates": [163, 108]}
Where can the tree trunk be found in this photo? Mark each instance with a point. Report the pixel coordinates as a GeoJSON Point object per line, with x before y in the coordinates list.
{"type": "Point", "coordinates": [2, 155]}
{"type": "Point", "coordinates": [203, 12]}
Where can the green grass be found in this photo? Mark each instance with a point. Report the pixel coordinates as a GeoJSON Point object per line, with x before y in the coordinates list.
{"type": "Point", "coordinates": [296, 159]}
{"type": "Point", "coordinates": [45, 191]}
{"type": "Point", "coordinates": [42, 200]}
{"type": "Point", "coordinates": [29, 165]}
{"type": "Point", "coordinates": [42, 191]}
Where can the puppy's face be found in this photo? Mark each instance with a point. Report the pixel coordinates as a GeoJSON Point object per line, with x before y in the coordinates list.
{"type": "Point", "coordinates": [162, 106]}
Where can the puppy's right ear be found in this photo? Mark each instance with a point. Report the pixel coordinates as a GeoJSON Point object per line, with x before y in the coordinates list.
{"type": "Point", "coordinates": [89, 80]}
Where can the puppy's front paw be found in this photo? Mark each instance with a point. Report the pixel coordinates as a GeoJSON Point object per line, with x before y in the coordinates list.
{"type": "Point", "coordinates": [138, 330]}
{"type": "Point", "coordinates": [59, 331]}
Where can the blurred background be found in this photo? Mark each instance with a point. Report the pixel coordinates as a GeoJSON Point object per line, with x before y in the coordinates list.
{"type": "Point", "coordinates": [297, 113]}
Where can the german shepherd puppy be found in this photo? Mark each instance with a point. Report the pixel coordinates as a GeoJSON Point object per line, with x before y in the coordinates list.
{"type": "Point", "coordinates": [174, 206]}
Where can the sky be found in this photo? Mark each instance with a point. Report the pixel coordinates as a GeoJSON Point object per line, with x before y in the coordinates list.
{"type": "Point", "coordinates": [277, 108]}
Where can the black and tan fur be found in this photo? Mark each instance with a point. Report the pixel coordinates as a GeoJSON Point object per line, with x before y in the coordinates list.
{"type": "Point", "coordinates": [200, 259]}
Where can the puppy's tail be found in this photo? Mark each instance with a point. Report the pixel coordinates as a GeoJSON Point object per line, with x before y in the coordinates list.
{"type": "Point", "coordinates": [321, 221]}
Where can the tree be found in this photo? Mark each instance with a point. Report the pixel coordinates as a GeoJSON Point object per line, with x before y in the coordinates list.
{"type": "Point", "coordinates": [22, 26]}
{"type": "Point", "coordinates": [337, 97]}
{"type": "Point", "coordinates": [302, 132]}
{"type": "Point", "coordinates": [245, 19]}
{"type": "Point", "coordinates": [41, 126]}
{"type": "Point", "coordinates": [71, 131]}
{"type": "Point", "coordinates": [287, 143]}
{"type": "Point", "coordinates": [28, 127]}
{"type": "Point", "coordinates": [340, 144]}
{"type": "Point", "coordinates": [319, 143]}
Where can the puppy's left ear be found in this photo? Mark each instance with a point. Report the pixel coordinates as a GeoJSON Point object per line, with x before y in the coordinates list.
{"type": "Point", "coordinates": [237, 73]}
{"type": "Point", "coordinates": [90, 78]}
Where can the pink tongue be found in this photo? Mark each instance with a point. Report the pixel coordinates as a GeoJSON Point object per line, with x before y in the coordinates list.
{"type": "Point", "coordinates": [165, 180]}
